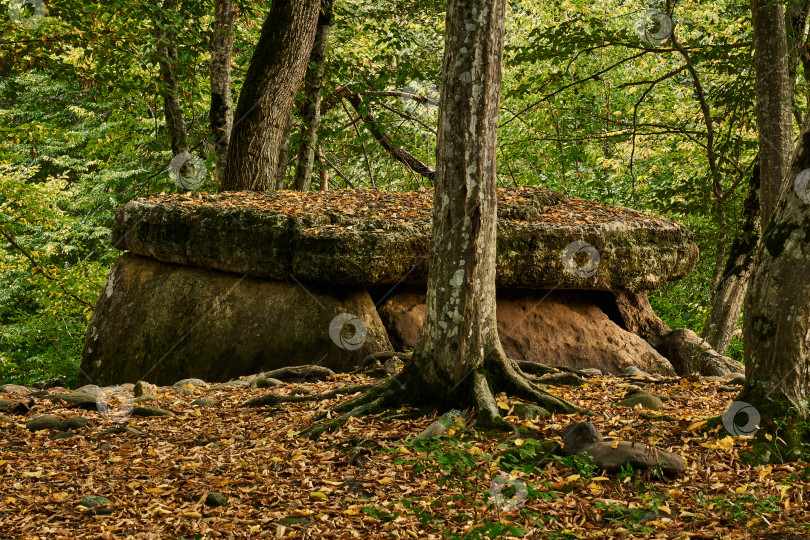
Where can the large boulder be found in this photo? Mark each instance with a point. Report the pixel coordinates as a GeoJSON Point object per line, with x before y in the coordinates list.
{"type": "Point", "coordinates": [561, 328]}
{"type": "Point", "coordinates": [370, 237]}
{"type": "Point", "coordinates": [163, 322]}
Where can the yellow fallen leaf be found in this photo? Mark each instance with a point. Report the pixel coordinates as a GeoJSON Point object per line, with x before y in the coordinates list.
{"type": "Point", "coordinates": [404, 450]}
{"type": "Point", "coordinates": [600, 478]}
{"type": "Point", "coordinates": [518, 442]}
{"type": "Point", "coordinates": [385, 480]}
{"type": "Point", "coordinates": [11, 500]}
{"type": "Point", "coordinates": [726, 443]}
{"type": "Point", "coordinates": [572, 478]}
{"type": "Point", "coordinates": [332, 482]}
{"type": "Point", "coordinates": [594, 487]}
{"type": "Point", "coordinates": [666, 509]}
{"type": "Point", "coordinates": [615, 444]}
{"type": "Point", "coordinates": [752, 522]}
{"type": "Point", "coordinates": [353, 510]}
{"type": "Point", "coordinates": [740, 489]}
{"type": "Point", "coordinates": [696, 425]}
{"type": "Point", "coordinates": [192, 514]}
{"type": "Point", "coordinates": [318, 495]}
{"type": "Point", "coordinates": [503, 405]}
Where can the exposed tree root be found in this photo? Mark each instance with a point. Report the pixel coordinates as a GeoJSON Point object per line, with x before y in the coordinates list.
{"type": "Point", "coordinates": [499, 374]}
{"type": "Point", "coordinates": [272, 399]}
{"type": "Point", "coordinates": [299, 372]}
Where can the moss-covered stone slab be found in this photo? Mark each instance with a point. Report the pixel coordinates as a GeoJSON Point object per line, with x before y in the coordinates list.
{"type": "Point", "coordinates": [369, 237]}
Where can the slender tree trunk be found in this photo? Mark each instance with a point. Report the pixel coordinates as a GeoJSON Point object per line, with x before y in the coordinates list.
{"type": "Point", "coordinates": [170, 88]}
{"type": "Point", "coordinates": [777, 313]}
{"type": "Point", "coordinates": [459, 360]}
{"type": "Point", "coordinates": [221, 100]}
{"type": "Point", "coordinates": [311, 109]}
{"type": "Point", "coordinates": [266, 99]}
{"type": "Point", "coordinates": [729, 292]}
{"type": "Point", "coordinates": [284, 154]}
{"type": "Point", "coordinates": [774, 98]}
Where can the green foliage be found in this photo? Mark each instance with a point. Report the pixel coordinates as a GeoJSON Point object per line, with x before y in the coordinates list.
{"type": "Point", "coordinates": [591, 107]}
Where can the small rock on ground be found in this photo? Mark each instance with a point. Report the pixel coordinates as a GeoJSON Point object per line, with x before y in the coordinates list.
{"type": "Point", "coordinates": [204, 402]}
{"type": "Point", "coordinates": [92, 500]}
{"type": "Point", "coordinates": [49, 383]}
{"type": "Point", "coordinates": [639, 455]}
{"type": "Point", "coordinates": [528, 411]}
{"type": "Point", "coordinates": [149, 411]}
{"type": "Point", "coordinates": [577, 436]}
{"type": "Point", "coordinates": [62, 435]}
{"type": "Point", "coordinates": [645, 399]}
{"type": "Point", "coordinates": [143, 388]}
{"type": "Point", "coordinates": [91, 389]}
{"type": "Point", "coordinates": [633, 371]}
{"type": "Point", "coordinates": [144, 398]}
{"type": "Point", "coordinates": [44, 421]}
{"type": "Point", "coordinates": [14, 389]}
{"type": "Point", "coordinates": [216, 500]}
{"type": "Point", "coordinates": [77, 422]}
{"type": "Point", "coordinates": [193, 382]}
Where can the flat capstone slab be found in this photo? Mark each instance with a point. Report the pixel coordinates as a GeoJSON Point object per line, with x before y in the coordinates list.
{"type": "Point", "coordinates": [369, 237]}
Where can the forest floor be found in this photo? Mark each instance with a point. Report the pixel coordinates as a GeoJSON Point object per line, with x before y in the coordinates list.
{"type": "Point", "coordinates": [160, 476]}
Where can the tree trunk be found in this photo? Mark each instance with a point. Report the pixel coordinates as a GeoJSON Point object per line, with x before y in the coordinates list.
{"type": "Point", "coordinates": [284, 154]}
{"type": "Point", "coordinates": [311, 109]}
{"type": "Point", "coordinates": [460, 329]}
{"type": "Point", "coordinates": [221, 100]}
{"type": "Point", "coordinates": [774, 98]}
{"type": "Point", "coordinates": [729, 292]}
{"type": "Point", "coordinates": [170, 89]}
{"type": "Point", "coordinates": [777, 314]}
{"type": "Point", "coordinates": [266, 99]}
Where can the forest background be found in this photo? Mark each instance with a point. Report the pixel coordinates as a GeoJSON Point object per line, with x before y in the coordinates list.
{"type": "Point", "coordinates": [611, 101]}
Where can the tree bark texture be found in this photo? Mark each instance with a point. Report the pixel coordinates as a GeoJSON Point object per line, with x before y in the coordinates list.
{"type": "Point", "coordinates": [266, 99]}
{"type": "Point", "coordinates": [774, 98]}
{"type": "Point", "coordinates": [221, 113]}
{"type": "Point", "coordinates": [729, 292]}
{"type": "Point", "coordinates": [170, 88]}
{"type": "Point", "coordinates": [460, 327]}
{"type": "Point", "coordinates": [311, 108]}
{"type": "Point", "coordinates": [777, 310]}
{"type": "Point", "coordinates": [284, 154]}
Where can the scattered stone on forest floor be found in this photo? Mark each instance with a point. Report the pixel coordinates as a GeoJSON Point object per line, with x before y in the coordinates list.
{"type": "Point", "coordinates": [77, 422]}
{"type": "Point", "coordinates": [92, 389]}
{"type": "Point", "coordinates": [76, 398]}
{"type": "Point", "coordinates": [143, 388]}
{"type": "Point", "coordinates": [577, 436]}
{"type": "Point", "coordinates": [193, 382]}
{"type": "Point", "coordinates": [104, 447]}
{"type": "Point", "coordinates": [149, 411]}
{"type": "Point", "coordinates": [453, 419]}
{"type": "Point", "coordinates": [216, 500]}
{"type": "Point", "coordinates": [144, 398]}
{"type": "Point", "coordinates": [529, 411]}
{"type": "Point", "coordinates": [43, 421]}
{"type": "Point", "coordinates": [62, 435]}
{"type": "Point", "coordinates": [612, 456]}
{"type": "Point", "coordinates": [14, 389]}
{"type": "Point", "coordinates": [204, 402]}
{"type": "Point", "coordinates": [642, 397]}
{"type": "Point", "coordinates": [633, 371]}
{"type": "Point", "coordinates": [261, 382]}
{"type": "Point", "coordinates": [6, 404]}
{"type": "Point", "coordinates": [562, 379]}
{"type": "Point", "coordinates": [93, 500]}
{"type": "Point", "coordinates": [49, 383]}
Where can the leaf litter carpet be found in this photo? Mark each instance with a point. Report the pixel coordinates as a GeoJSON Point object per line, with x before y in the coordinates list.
{"type": "Point", "coordinates": [159, 475]}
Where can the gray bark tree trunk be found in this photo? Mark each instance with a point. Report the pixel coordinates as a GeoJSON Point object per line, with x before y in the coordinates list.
{"type": "Point", "coordinates": [170, 88]}
{"type": "Point", "coordinates": [284, 154]}
{"type": "Point", "coordinates": [729, 292]}
{"type": "Point", "coordinates": [774, 91]}
{"type": "Point", "coordinates": [266, 99]}
{"type": "Point", "coordinates": [311, 108]}
{"type": "Point", "coordinates": [777, 312]}
{"type": "Point", "coordinates": [459, 360]}
{"type": "Point", "coordinates": [221, 113]}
